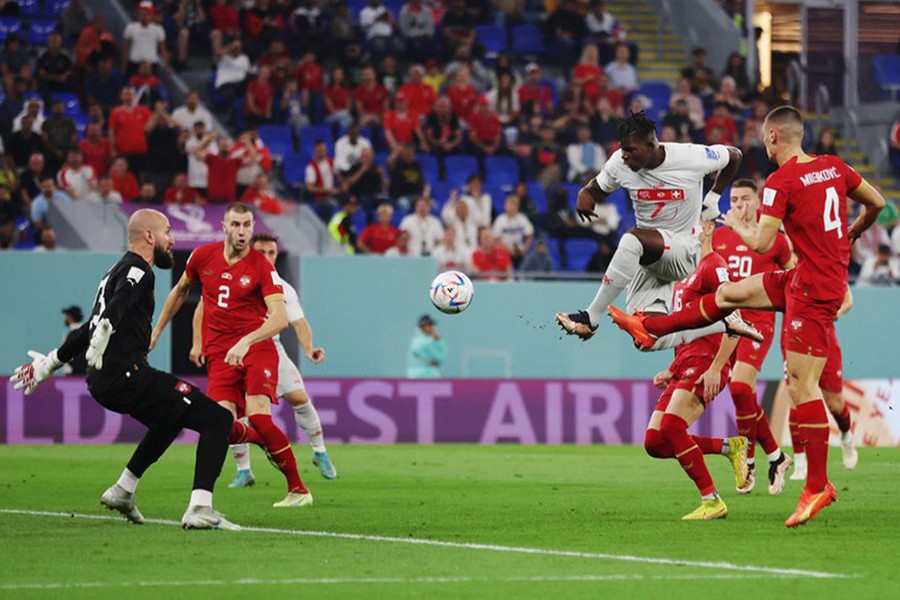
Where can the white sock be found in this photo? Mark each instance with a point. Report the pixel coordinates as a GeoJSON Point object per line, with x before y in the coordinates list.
{"type": "Point", "coordinates": [751, 463]}
{"type": "Point", "coordinates": [241, 452]}
{"type": "Point", "coordinates": [679, 338]}
{"type": "Point", "coordinates": [128, 481]}
{"type": "Point", "coordinates": [773, 456]}
{"type": "Point", "coordinates": [712, 496]}
{"type": "Point", "coordinates": [307, 418]}
{"type": "Point", "coordinates": [800, 460]}
{"type": "Point", "coordinates": [201, 498]}
{"type": "Point", "coordinates": [726, 447]}
{"type": "Point", "coordinates": [622, 269]}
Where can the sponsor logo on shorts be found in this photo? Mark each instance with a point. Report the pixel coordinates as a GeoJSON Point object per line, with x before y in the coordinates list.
{"type": "Point", "coordinates": [245, 281]}
{"type": "Point", "coordinates": [183, 388]}
{"type": "Point", "coordinates": [756, 345]}
{"type": "Point", "coordinates": [797, 324]}
{"type": "Point", "coordinates": [267, 373]}
{"type": "Point", "coordinates": [689, 372]}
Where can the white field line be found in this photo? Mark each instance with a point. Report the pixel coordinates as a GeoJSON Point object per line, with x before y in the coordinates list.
{"type": "Point", "coordinates": [473, 546]}
{"type": "Point", "coordinates": [383, 581]}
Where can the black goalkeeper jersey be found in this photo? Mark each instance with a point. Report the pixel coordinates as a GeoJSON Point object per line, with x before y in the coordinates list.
{"type": "Point", "coordinates": [125, 297]}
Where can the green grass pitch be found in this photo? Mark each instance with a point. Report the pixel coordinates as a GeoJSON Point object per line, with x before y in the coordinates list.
{"type": "Point", "coordinates": [612, 512]}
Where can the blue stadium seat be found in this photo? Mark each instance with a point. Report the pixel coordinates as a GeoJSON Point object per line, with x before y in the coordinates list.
{"type": "Point", "coordinates": [81, 122]}
{"type": "Point", "coordinates": [887, 72]}
{"type": "Point", "coordinates": [73, 106]}
{"type": "Point", "coordinates": [527, 39]}
{"type": "Point", "coordinates": [293, 167]}
{"type": "Point", "coordinates": [311, 133]}
{"type": "Point", "coordinates": [572, 192]}
{"type": "Point", "coordinates": [440, 192]}
{"type": "Point", "coordinates": [8, 26]}
{"type": "Point", "coordinates": [658, 92]}
{"type": "Point", "coordinates": [239, 123]}
{"type": "Point", "coordinates": [459, 168]}
{"type": "Point", "coordinates": [39, 31]}
{"type": "Point", "coordinates": [29, 8]}
{"type": "Point", "coordinates": [493, 39]}
{"type": "Point", "coordinates": [55, 8]}
{"type": "Point", "coordinates": [578, 253]}
{"type": "Point", "coordinates": [498, 197]}
{"type": "Point", "coordinates": [430, 169]}
{"type": "Point", "coordinates": [278, 138]}
{"type": "Point", "coordinates": [538, 195]}
{"type": "Point", "coordinates": [502, 171]}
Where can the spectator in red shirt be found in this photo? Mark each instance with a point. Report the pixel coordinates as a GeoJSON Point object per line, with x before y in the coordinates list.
{"type": "Point", "coordinates": [614, 97]}
{"type": "Point", "coordinates": [421, 95]}
{"type": "Point", "coordinates": [263, 23]}
{"type": "Point", "coordinates": [260, 94]}
{"type": "Point", "coordinates": [221, 185]}
{"type": "Point", "coordinates": [278, 59]}
{"type": "Point", "coordinates": [490, 260]}
{"type": "Point", "coordinates": [720, 127]}
{"type": "Point", "coordinates": [402, 126]}
{"type": "Point", "coordinates": [588, 70]}
{"type": "Point", "coordinates": [123, 180]}
{"type": "Point", "coordinates": [226, 23]}
{"type": "Point", "coordinates": [127, 130]}
{"type": "Point", "coordinates": [260, 160]}
{"type": "Point", "coordinates": [462, 93]}
{"type": "Point", "coordinates": [337, 99]}
{"type": "Point", "coordinates": [379, 236]}
{"type": "Point", "coordinates": [371, 99]}
{"type": "Point", "coordinates": [95, 148]}
{"type": "Point", "coordinates": [179, 192]}
{"type": "Point", "coordinates": [485, 129]}
{"type": "Point", "coordinates": [262, 197]}
{"type": "Point", "coordinates": [309, 73]}
{"type": "Point", "coordinates": [534, 94]}
{"type": "Point", "coordinates": [145, 77]}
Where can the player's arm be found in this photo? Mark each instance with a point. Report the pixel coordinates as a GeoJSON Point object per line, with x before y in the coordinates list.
{"type": "Point", "coordinates": [712, 378]}
{"type": "Point", "coordinates": [726, 175]}
{"type": "Point", "coordinates": [759, 237]}
{"type": "Point", "coordinates": [873, 203]}
{"type": "Point", "coordinates": [274, 324]}
{"type": "Point", "coordinates": [173, 304]}
{"type": "Point", "coordinates": [196, 355]}
{"type": "Point", "coordinates": [846, 305]}
{"type": "Point", "coordinates": [42, 366]}
{"type": "Point", "coordinates": [305, 336]}
{"type": "Point", "coordinates": [588, 196]}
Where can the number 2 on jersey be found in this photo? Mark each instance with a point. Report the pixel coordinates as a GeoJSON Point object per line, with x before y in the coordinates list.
{"type": "Point", "coordinates": [832, 215]}
{"type": "Point", "coordinates": [740, 266]}
{"type": "Point", "coordinates": [224, 293]}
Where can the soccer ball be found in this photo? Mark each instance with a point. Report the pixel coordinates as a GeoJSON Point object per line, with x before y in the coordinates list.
{"type": "Point", "coordinates": [452, 292]}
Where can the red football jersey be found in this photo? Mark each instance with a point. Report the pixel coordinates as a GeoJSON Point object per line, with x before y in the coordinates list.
{"type": "Point", "coordinates": [706, 279]}
{"type": "Point", "coordinates": [234, 297]}
{"type": "Point", "coordinates": [811, 200]}
{"type": "Point", "coordinates": [744, 262]}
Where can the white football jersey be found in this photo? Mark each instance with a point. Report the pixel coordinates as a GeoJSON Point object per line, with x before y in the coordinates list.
{"type": "Point", "coordinates": [292, 304]}
{"type": "Point", "coordinates": [671, 195]}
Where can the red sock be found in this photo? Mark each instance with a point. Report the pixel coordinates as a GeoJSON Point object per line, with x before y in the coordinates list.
{"type": "Point", "coordinates": [279, 448]}
{"type": "Point", "coordinates": [796, 442]}
{"type": "Point", "coordinates": [241, 434]}
{"type": "Point", "coordinates": [708, 445]}
{"type": "Point", "coordinates": [842, 418]}
{"type": "Point", "coordinates": [698, 313]}
{"type": "Point", "coordinates": [764, 433]}
{"type": "Point", "coordinates": [812, 420]}
{"type": "Point", "coordinates": [656, 446]}
{"type": "Point", "coordinates": [686, 451]}
{"type": "Point", "coordinates": [745, 410]}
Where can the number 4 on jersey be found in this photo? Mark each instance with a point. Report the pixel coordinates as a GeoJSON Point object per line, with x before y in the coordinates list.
{"type": "Point", "coordinates": [832, 215]}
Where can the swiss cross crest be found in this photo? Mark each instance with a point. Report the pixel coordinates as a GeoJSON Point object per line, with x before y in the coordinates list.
{"type": "Point", "coordinates": [183, 388]}
{"type": "Point", "coordinates": [797, 324]}
{"type": "Point", "coordinates": [245, 281]}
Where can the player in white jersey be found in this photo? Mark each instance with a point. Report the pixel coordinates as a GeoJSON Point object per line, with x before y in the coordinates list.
{"type": "Point", "coordinates": [290, 383]}
{"type": "Point", "coordinates": [665, 184]}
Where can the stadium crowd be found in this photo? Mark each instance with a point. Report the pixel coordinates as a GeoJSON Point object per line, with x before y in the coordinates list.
{"type": "Point", "coordinates": [459, 128]}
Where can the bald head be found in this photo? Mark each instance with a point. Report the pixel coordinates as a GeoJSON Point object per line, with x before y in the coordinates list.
{"type": "Point", "coordinates": [149, 236]}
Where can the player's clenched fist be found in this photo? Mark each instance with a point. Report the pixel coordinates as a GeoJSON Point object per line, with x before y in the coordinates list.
{"type": "Point", "coordinates": [235, 356]}
{"type": "Point", "coordinates": [196, 356]}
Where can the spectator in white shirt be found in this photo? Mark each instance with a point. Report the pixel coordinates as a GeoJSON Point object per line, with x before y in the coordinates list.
{"type": "Point", "coordinates": [232, 68]}
{"type": "Point", "coordinates": [187, 116]}
{"type": "Point", "coordinates": [348, 149]}
{"type": "Point", "coordinates": [144, 41]}
{"type": "Point", "coordinates": [403, 247]}
{"type": "Point", "coordinates": [321, 179]}
{"type": "Point", "coordinates": [77, 179]}
{"type": "Point", "coordinates": [197, 171]}
{"type": "Point", "coordinates": [585, 157]}
{"type": "Point", "coordinates": [451, 254]}
{"type": "Point", "coordinates": [480, 203]}
{"type": "Point", "coordinates": [514, 230]}
{"type": "Point", "coordinates": [622, 74]}
{"type": "Point", "coordinates": [105, 192]}
{"type": "Point", "coordinates": [460, 218]}
{"type": "Point", "coordinates": [880, 269]}
{"type": "Point", "coordinates": [425, 230]}
{"type": "Point", "coordinates": [377, 24]}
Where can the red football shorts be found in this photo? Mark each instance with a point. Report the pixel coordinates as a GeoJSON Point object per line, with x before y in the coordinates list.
{"type": "Point", "coordinates": [809, 323]}
{"type": "Point", "coordinates": [685, 377]}
{"type": "Point", "coordinates": [258, 376]}
{"type": "Point", "coordinates": [832, 377]}
{"type": "Point", "coordinates": [754, 353]}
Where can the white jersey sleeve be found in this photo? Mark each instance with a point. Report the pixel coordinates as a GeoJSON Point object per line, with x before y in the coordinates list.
{"type": "Point", "coordinates": [292, 302]}
{"type": "Point", "coordinates": [707, 159]}
{"type": "Point", "coordinates": [608, 178]}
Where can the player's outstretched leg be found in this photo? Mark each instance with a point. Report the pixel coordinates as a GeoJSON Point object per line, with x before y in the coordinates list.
{"type": "Point", "coordinates": [307, 418]}
{"type": "Point", "coordinates": [622, 268]}
{"type": "Point", "coordinates": [278, 449]}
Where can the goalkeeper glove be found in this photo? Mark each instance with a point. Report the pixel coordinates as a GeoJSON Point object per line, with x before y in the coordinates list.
{"type": "Point", "coordinates": [710, 211]}
{"type": "Point", "coordinates": [40, 368]}
{"type": "Point", "coordinates": [99, 341]}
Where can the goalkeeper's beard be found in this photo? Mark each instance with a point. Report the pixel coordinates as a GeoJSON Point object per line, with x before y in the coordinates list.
{"type": "Point", "coordinates": [162, 258]}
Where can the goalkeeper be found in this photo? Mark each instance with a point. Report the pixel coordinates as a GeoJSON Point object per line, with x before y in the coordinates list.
{"type": "Point", "coordinates": [116, 340]}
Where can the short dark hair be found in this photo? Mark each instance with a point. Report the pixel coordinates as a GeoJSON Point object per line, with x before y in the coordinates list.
{"type": "Point", "coordinates": [263, 236]}
{"type": "Point", "coordinates": [745, 183]}
{"type": "Point", "coordinates": [698, 50]}
{"type": "Point", "coordinates": [638, 125]}
{"type": "Point", "coordinates": [239, 208]}
{"type": "Point", "coordinates": [785, 114]}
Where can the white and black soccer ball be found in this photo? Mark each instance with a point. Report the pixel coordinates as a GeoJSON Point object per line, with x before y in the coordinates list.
{"type": "Point", "coordinates": [451, 292]}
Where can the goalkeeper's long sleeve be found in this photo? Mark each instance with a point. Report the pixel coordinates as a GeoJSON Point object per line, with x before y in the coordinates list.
{"type": "Point", "coordinates": [75, 344]}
